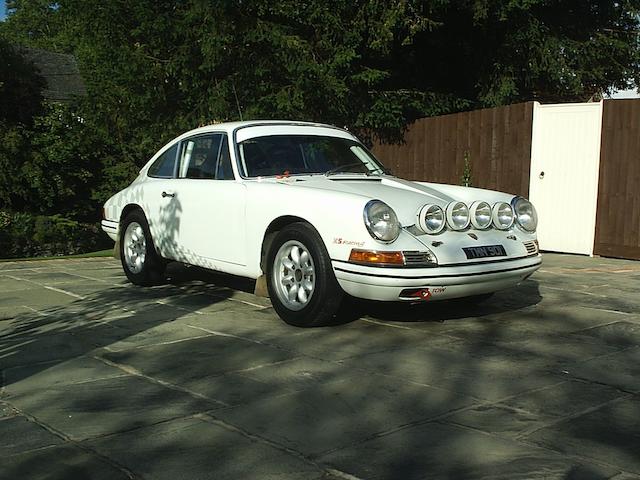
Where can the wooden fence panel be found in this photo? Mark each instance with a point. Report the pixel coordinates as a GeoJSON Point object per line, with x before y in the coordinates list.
{"type": "Point", "coordinates": [618, 212]}
{"type": "Point", "coordinates": [497, 142]}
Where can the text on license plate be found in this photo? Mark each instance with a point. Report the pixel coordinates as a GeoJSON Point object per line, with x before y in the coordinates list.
{"type": "Point", "coordinates": [487, 251]}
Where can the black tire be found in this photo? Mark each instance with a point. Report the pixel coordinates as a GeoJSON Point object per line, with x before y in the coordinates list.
{"type": "Point", "coordinates": [326, 295]}
{"type": "Point", "coordinates": [150, 269]}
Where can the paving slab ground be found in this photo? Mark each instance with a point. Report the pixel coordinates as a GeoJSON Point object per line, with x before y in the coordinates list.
{"type": "Point", "coordinates": [199, 379]}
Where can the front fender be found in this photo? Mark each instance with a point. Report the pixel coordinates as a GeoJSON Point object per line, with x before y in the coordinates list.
{"type": "Point", "coordinates": [336, 216]}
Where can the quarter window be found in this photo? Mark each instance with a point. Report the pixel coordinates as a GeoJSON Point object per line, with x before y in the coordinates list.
{"type": "Point", "coordinates": [164, 165]}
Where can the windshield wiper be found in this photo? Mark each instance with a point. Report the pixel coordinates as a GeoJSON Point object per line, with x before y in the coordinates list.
{"type": "Point", "coordinates": [349, 165]}
{"type": "Point", "coordinates": [379, 171]}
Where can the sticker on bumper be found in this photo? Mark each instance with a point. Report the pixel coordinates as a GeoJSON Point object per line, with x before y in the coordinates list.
{"type": "Point", "coordinates": [423, 294]}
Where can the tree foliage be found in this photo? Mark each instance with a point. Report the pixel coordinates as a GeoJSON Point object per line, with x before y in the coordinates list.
{"type": "Point", "coordinates": [52, 166]}
{"type": "Point", "coordinates": [496, 53]}
{"type": "Point", "coordinates": [20, 87]}
{"type": "Point", "coordinates": [155, 68]}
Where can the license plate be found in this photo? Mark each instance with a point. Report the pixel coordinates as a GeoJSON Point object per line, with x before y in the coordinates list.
{"type": "Point", "coordinates": [483, 252]}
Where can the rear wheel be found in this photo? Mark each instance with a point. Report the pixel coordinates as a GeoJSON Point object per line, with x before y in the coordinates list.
{"type": "Point", "coordinates": [140, 262]}
{"type": "Point", "coordinates": [300, 279]}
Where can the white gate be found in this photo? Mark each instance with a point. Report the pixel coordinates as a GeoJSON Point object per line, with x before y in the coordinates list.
{"type": "Point", "coordinates": [565, 159]}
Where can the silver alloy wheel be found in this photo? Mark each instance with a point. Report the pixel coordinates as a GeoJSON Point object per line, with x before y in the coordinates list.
{"type": "Point", "coordinates": [294, 275]}
{"type": "Point", "coordinates": [135, 247]}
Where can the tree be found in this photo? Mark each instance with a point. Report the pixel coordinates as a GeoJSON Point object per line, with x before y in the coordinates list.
{"type": "Point", "coordinates": [36, 23]}
{"type": "Point", "coordinates": [20, 87]}
{"type": "Point", "coordinates": [496, 53]}
{"type": "Point", "coordinates": [48, 153]}
{"type": "Point", "coordinates": [155, 68]}
{"type": "Point", "coordinates": [20, 101]}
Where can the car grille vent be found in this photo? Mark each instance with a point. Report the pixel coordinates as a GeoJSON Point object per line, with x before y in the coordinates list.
{"type": "Point", "coordinates": [531, 246]}
{"type": "Point", "coordinates": [419, 259]}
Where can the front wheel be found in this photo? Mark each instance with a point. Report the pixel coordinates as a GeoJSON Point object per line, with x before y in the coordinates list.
{"type": "Point", "coordinates": [140, 262]}
{"type": "Point", "coordinates": [300, 279]}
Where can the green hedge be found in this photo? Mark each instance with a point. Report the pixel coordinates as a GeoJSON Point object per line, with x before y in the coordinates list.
{"type": "Point", "coordinates": [27, 235]}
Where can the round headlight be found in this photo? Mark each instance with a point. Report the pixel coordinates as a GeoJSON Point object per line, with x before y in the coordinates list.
{"type": "Point", "coordinates": [430, 219]}
{"type": "Point", "coordinates": [502, 215]}
{"type": "Point", "coordinates": [480, 215]}
{"type": "Point", "coordinates": [381, 221]}
{"type": "Point", "coordinates": [458, 215]}
{"type": "Point", "coordinates": [526, 215]}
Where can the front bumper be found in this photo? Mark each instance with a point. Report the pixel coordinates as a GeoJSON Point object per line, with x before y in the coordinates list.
{"type": "Point", "coordinates": [441, 283]}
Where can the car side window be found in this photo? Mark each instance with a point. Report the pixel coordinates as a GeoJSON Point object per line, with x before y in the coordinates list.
{"type": "Point", "coordinates": [199, 155]}
{"type": "Point", "coordinates": [205, 157]}
{"type": "Point", "coordinates": [164, 165]}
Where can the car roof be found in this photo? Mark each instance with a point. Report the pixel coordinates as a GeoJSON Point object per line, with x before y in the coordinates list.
{"type": "Point", "coordinates": [231, 127]}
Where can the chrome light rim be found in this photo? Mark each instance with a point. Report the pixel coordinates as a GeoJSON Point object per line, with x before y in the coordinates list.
{"type": "Point", "coordinates": [496, 215]}
{"type": "Point", "coordinates": [473, 213]}
{"type": "Point", "coordinates": [134, 247]}
{"type": "Point", "coordinates": [422, 221]}
{"type": "Point", "coordinates": [453, 210]}
{"type": "Point", "coordinates": [294, 275]}
{"type": "Point", "coordinates": [534, 214]}
{"type": "Point", "coordinates": [371, 227]}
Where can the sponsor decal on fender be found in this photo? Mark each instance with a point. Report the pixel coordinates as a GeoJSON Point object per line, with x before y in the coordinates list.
{"type": "Point", "coordinates": [342, 241]}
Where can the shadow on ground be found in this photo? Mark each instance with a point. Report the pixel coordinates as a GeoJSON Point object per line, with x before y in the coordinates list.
{"type": "Point", "coordinates": [522, 386]}
{"type": "Point", "coordinates": [56, 334]}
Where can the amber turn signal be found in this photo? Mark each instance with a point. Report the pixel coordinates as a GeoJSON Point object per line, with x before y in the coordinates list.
{"type": "Point", "coordinates": [372, 257]}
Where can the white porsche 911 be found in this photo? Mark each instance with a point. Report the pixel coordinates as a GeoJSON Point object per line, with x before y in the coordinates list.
{"type": "Point", "coordinates": [309, 210]}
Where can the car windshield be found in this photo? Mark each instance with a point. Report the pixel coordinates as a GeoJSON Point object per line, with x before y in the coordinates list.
{"type": "Point", "coordinates": [305, 154]}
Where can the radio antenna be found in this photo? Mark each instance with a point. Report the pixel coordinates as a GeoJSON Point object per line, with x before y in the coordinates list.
{"type": "Point", "coordinates": [235, 94]}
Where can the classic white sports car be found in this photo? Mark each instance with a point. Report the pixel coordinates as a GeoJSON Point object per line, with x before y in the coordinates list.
{"type": "Point", "coordinates": [309, 210]}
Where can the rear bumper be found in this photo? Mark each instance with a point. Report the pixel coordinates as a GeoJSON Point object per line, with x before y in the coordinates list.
{"type": "Point", "coordinates": [111, 228]}
{"type": "Point", "coordinates": [441, 283]}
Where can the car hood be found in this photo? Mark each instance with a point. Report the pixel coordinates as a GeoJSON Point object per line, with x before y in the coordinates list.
{"type": "Point", "coordinates": [404, 196]}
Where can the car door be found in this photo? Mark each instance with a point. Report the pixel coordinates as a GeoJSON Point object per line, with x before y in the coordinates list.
{"type": "Point", "coordinates": [157, 196]}
{"type": "Point", "coordinates": [211, 227]}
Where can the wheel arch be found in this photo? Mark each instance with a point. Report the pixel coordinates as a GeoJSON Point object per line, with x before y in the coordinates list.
{"type": "Point", "coordinates": [272, 230]}
{"type": "Point", "coordinates": [130, 208]}
{"type": "Point", "coordinates": [134, 207]}
{"type": "Point", "coordinates": [325, 295]}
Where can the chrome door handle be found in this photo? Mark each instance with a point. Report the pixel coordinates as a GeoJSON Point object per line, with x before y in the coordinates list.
{"type": "Point", "coordinates": [165, 194]}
